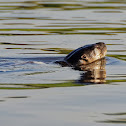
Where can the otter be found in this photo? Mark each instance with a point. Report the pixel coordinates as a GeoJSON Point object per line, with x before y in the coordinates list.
{"type": "Point", "coordinates": [85, 55]}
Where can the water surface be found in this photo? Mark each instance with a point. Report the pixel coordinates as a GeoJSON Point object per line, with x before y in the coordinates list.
{"type": "Point", "coordinates": [36, 33]}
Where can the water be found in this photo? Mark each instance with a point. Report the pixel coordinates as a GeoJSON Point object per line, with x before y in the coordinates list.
{"type": "Point", "coordinates": [36, 33]}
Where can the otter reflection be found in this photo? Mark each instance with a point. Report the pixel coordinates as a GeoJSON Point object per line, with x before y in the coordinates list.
{"type": "Point", "coordinates": [94, 72]}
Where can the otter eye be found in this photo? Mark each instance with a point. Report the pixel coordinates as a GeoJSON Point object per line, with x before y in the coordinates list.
{"type": "Point", "coordinates": [84, 58]}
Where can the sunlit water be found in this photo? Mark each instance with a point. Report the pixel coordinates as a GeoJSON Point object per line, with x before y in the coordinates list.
{"type": "Point", "coordinates": [36, 33]}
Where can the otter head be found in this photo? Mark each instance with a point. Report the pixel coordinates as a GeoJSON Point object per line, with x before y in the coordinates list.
{"type": "Point", "coordinates": [87, 54]}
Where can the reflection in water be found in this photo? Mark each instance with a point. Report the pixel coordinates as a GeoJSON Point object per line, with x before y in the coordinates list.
{"type": "Point", "coordinates": [95, 72]}
{"type": "Point", "coordinates": [2, 100]}
{"type": "Point", "coordinates": [123, 120]}
{"type": "Point", "coordinates": [92, 73]}
{"type": "Point", "coordinates": [121, 57]}
{"type": "Point", "coordinates": [115, 114]}
{"type": "Point", "coordinates": [117, 120]}
{"type": "Point", "coordinates": [18, 97]}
